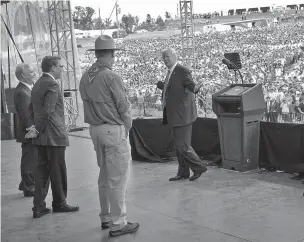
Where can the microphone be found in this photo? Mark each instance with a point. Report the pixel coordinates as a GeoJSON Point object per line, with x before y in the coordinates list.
{"type": "Point", "coordinates": [228, 63]}
{"type": "Point", "coordinates": [231, 65]}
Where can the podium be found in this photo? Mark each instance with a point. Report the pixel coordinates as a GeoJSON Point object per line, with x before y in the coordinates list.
{"type": "Point", "coordinates": [239, 109]}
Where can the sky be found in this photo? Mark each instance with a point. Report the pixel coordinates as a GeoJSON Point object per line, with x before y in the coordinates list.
{"type": "Point", "coordinates": [158, 7]}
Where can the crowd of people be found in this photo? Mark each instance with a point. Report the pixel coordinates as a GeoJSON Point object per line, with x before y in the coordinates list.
{"type": "Point", "coordinates": [271, 55]}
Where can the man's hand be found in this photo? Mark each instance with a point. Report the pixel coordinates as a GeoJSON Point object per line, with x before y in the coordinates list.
{"type": "Point", "coordinates": [31, 128]}
{"type": "Point", "coordinates": [31, 134]}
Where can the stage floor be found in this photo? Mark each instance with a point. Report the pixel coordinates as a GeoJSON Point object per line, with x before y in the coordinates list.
{"type": "Point", "coordinates": [221, 206]}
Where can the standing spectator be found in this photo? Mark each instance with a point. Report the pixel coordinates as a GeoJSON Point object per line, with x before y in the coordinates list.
{"type": "Point", "coordinates": [285, 110]}
{"type": "Point", "coordinates": [301, 98]}
{"type": "Point", "coordinates": [292, 109]}
{"type": "Point", "coordinates": [275, 110]}
{"type": "Point", "coordinates": [300, 109]}
{"type": "Point", "coordinates": [141, 103]}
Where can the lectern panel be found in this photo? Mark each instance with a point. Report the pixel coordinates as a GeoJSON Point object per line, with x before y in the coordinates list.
{"type": "Point", "coordinates": [235, 91]}
{"type": "Point", "coordinates": [232, 138]}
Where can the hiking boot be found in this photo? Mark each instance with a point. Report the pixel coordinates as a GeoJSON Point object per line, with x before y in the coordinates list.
{"type": "Point", "coordinates": [128, 229]}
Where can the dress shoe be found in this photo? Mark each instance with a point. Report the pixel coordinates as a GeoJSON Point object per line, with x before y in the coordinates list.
{"type": "Point", "coordinates": [40, 213]}
{"type": "Point", "coordinates": [129, 228]}
{"type": "Point", "coordinates": [300, 176]}
{"type": "Point", "coordinates": [176, 178]}
{"type": "Point", "coordinates": [65, 209]}
{"type": "Point", "coordinates": [28, 193]}
{"type": "Point", "coordinates": [106, 225]}
{"type": "Point", "coordinates": [197, 174]}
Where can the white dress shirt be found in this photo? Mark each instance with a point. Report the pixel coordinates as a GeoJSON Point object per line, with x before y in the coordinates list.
{"type": "Point", "coordinates": [167, 81]}
{"type": "Point", "coordinates": [171, 70]}
{"type": "Point", "coordinates": [26, 84]}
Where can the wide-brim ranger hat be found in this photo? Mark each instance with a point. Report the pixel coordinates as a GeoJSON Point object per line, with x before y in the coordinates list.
{"type": "Point", "coordinates": [104, 42]}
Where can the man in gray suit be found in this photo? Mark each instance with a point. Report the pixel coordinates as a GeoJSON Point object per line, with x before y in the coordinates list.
{"type": "Point", "coordinates": [179, 111]}
{"type": "Point", "coordinates": [50, 135]}
{"type": "Point", "coordinates": [22, 98]}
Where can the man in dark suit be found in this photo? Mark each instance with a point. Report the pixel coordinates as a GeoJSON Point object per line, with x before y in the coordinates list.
{"type": "Point", "coordinates": [50, 135]}
{"type": "Point", "coordinates": [22, 98]}
{"type": "Point", "coordinates": [179, 111]}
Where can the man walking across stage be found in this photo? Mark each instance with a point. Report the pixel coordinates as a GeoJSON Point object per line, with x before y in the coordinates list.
{"type": "Point", "coordinates": [50, 135]}
{"type": "Point", "coordinates": [107, 110]}
{"type": "Point", "coordinates": [22, 98]}
{"type": "Point", "coordinates": [179, 111]}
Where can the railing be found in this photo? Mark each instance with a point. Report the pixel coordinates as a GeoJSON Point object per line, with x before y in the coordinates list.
{"type": "Point", "coordinates": [278, 117]}
{"type": "Point", "coordinates": [150, 108]}
{"type": "Point", "coordinates": [145, 109]}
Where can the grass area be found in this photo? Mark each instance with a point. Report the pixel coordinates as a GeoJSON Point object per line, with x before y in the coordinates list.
{"type": "Point", "coordinates": [89, 42]}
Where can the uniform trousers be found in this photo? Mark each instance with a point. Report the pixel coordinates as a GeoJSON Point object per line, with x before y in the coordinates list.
{"type": "Point", "coordinates": [113, 158]}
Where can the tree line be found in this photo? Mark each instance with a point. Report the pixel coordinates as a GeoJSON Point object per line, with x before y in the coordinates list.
{"type": "Point", "coordinates": [83, 20]}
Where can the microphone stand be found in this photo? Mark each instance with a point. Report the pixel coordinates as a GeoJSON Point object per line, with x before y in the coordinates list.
{"type": "Point", "coordinates": [241, 76]}
{"type": "Point", "coordinates": [235, 76]}
{"type": "Point", "coordinates": [235, 70]}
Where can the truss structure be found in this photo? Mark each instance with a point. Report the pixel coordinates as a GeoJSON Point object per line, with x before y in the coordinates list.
{"type": "Point", "coordinates": [187, 34]}
{"type": "Point", "coordinates": [188, 41]}
{"type": "Point", "coordinates": [62, 35]}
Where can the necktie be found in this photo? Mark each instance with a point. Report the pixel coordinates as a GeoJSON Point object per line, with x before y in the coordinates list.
{"type": "Point", "coordinates": [165, 88]}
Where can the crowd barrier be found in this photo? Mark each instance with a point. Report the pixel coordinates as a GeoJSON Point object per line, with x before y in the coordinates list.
{"type": "Point", "coordinates": [277, 117]}
{"type": "Point", "coordinates": [151, 109]}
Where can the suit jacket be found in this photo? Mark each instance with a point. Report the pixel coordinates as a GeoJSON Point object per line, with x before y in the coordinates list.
{"type": "Point", "coordinates": [47, 111]}
{"type": "Point", "coordinates": [180, 107]}
{"type": "Point", "coordinates": [22, 100]}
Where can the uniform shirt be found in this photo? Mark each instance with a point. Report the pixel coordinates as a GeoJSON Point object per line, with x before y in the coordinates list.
{"type": "Point", "coordinates": [104, 97]}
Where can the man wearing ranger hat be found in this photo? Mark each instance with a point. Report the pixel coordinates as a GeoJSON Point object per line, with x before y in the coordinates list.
{"type": "Point", "coordinates": [107, 110]}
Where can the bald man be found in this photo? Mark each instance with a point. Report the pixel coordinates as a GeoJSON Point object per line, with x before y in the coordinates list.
{"type": "Point", "coordinates": [179, 112]}
{"type": "Point", "coordinates": [22, 97]}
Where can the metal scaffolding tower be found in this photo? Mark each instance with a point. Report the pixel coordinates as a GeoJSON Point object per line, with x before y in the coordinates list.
{"type": "Point", "coordinates": [62, 35]}
{"type": "Point", "coordinates": [187, 34]}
